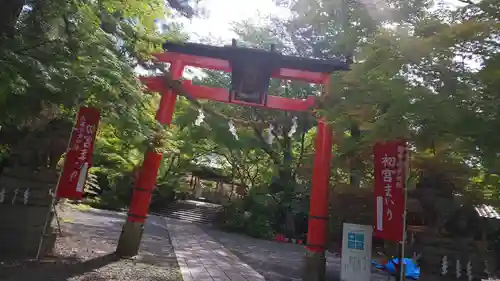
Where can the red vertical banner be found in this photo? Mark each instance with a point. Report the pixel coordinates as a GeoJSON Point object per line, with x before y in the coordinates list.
{"type": "Point", "coordinates": [390, 169]}
{"type": "Point", "coordinates": [78, 159]}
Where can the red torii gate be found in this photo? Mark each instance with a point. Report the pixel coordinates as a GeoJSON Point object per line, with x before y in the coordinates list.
{"type": "Point", "coordinates": [251, 71]}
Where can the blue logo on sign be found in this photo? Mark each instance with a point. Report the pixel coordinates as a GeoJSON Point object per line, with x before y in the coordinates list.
{"type": "Point", "coordinates": [356, 240]}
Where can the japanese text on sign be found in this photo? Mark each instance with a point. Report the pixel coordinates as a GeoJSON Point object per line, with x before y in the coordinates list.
{"type": "Point", "coordinates": [389, 172]}
{"type": "Point", "coordinates": [79, 156]}
{"type": "Point", "coordinates": [356, 252]}
{"type": "Point", "coordinates": [83, 143]}
{"type": "Point", "coordinates": [401, 166]}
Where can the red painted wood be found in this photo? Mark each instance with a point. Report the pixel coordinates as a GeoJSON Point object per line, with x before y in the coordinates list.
{"type": "Point", "coordinates": [167, 103]}
{"type": "Point", "coordinates": [157, 84]}
{"type": "Point", "coordinates": [317, 228]}
{"type": "Point", "coordinates": [154, 83]}
{"type": "Point", "coordinates": [139, 204]}
{"type": "Point", "coordinates": [273, 102]}
{"type": "Point", "coordinates": [223, 65]}
{"type": "Point", "coordinates": [189, 60]}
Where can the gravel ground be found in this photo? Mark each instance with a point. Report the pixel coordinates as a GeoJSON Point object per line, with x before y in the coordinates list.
{"type": "Point", "coordinates": [85, 252]}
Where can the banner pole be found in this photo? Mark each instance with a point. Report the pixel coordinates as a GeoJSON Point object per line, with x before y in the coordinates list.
{"type": "Point", "coordinates": [401, 270]}
{"type": "Point", "coordinates": [54, 198]}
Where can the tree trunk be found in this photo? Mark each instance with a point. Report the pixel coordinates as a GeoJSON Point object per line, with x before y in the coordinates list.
{"type": "Point", "coordinates": [11, 9]}
{"type": "Point", "coordinates": [355, 177]}
{"type": "Point", "coordinates": [287, 180]}
{"type": "Point", "coordinates": [233, 172]}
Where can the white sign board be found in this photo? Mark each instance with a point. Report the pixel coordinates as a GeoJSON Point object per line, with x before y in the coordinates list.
{"type": "Point", "coordinates": [356, 262]}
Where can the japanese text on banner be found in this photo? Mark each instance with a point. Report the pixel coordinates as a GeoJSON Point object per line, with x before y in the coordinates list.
{"type": "Point", "coordinates": [389, 185]}
{"type": "Point", "coordinates": [79, 155]}
{"type": "Point", "coordinates": [82, 146]}
{"type": "Point", "coordinates": [387, 173]}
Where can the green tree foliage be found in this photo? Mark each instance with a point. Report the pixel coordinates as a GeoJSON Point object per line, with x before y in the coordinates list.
{"type": "Point", "coordinates": [58, 55]}
{"type": "Point", "coordinates": [427, 75]}
{"type": "Point", "coordinates": [421, 71]}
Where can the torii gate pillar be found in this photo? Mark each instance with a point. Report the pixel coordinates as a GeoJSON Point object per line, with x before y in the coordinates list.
{"type": "Point", "coordinates": [131, 236]}
{"type": "Point", "coordinates": [315, 261]}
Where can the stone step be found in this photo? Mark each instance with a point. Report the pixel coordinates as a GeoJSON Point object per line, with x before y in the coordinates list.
{"type": "Point", "coordinates": [176, 207]}
{"type": "Point", "coordinates": [173, 208]}
{"type": "Point", "coordinates": [181, 207]}
{"type": "Point", "coordinates": [189, 214]}
{"type": "Point", "coordinates": [188, 207]}
{"type": "Point", "coordinates": [188, 218]}
{"type": "Point", "coordinates": [191, 211]}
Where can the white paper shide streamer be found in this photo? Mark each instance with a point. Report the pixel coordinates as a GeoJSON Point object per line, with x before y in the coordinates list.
{"type": "Point", "coordinates": [458, 269]}
{"type": "Point", "coordinates": [16, 191]}
{"type": "Point", "coordinates": [470, 277]}
{"type": "Point", "coordinates": [486, 268]}
{"type": "Point", "coordinates": [444, 265]}
{"type": "Point", "coordinates": [2, 195]}
{"type": "Point", "coordinates": [270, 136]}
{"type": "Point", "coordinates": [293, 129]}
{"type": "Point", "coordinates": [200, 118]}
{"type": "Point", "coordinates": [232, 129]}
{"type": "Point", "coordinates": [26, 196]}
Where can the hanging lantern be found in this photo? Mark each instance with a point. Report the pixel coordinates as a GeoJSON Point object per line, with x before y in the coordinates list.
{"type": "Point", "coordinates": [251, 73]}
{"type": "Point", "coordinates": [251, 69]}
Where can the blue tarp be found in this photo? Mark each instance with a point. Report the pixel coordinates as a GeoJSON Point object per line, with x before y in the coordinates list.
{"type": "Point", "coordinates": [412, 270]}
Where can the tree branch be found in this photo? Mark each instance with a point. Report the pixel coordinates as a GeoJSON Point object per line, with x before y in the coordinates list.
{"type": "Point", "coordinates": [11, 9]}
{"type": "Point", "coordinates": [301, 155]}
{"type": "Point", "coordinates": [23, 50]}
{"type": "Point", "coordinates": [469, 2]}
{"type": "Point", "coordinates": [235, 166]}
{"type": "Point", "coordinates": [272, 132]}
{"type": "Point", "coordinates": [266, 147]}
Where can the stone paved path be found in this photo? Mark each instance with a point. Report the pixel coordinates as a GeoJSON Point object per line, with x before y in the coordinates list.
{"type": "Point", "coordinates": [201, 258]}
{"type": "Point", "coordinates": [276, 261]}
